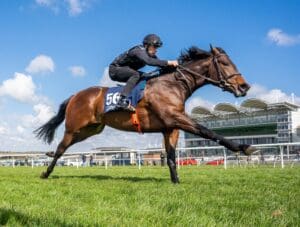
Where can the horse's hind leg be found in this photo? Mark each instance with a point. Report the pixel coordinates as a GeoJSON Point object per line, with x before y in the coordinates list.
{"type": "Point", "coordinates": [70, 139]}
{"type": "Point", "coordinates": [60, 150]}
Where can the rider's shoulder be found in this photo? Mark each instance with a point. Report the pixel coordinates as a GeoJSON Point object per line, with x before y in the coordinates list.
{"type": "Point", "coordinates": [137, 48]}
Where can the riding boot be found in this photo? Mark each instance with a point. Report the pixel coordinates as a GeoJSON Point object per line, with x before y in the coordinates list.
{"type": "Point", "coordinates": [124, 104]}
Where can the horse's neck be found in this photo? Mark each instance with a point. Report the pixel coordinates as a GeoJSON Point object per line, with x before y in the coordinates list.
{"type": "Point", "coordinates": [185, 85]}
{"type": "Point", "coordinates": [191, 81]}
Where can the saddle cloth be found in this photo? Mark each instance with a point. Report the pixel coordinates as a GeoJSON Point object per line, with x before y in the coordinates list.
{"type": "Point", "coordinates": [134, 97]}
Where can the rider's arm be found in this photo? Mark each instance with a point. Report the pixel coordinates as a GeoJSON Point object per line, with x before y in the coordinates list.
{"type": "Point", "coordinates": [142, 55]}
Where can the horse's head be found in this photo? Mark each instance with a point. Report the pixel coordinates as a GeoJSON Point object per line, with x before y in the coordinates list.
{"type": "Point", "coordinates": [225, 74]}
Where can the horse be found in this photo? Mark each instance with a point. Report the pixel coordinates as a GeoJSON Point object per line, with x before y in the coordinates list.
{"type": "Point", "coordinates": [162, 108]}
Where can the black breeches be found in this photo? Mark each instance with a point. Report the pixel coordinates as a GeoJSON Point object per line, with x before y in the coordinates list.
{"type": "Point", "coordinates": [125, 74]}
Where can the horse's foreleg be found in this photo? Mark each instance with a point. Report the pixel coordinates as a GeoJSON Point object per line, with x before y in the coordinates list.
{"type": "Point", "coordinates": [61, 148]}
{"type": "Point", "coordinates": [187, 124]}
{"type": "Point", "coordinates": [171, 138]}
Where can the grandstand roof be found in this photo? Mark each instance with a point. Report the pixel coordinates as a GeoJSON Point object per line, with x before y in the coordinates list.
{"type": "Point", "coordinates": [226, 107]}
{"type": "Point", "coordinates": [255, 104]}
{"type": "Point", "coordinates": [287, 105]}
{"type": "Point", "coordinates": [201, 111]}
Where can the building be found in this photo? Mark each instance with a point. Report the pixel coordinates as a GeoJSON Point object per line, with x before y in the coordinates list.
{"type": "Point", "coordinates": [115, 155]}
{"type": "Point", "coordinates": [253, 122]}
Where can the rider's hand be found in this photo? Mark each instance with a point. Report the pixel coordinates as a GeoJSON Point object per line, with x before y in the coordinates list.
{"type": "Point", "coordinates": [173, 63]}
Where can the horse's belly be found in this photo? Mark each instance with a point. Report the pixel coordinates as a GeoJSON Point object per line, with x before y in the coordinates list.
{"type": "Point", "coordinates": [123, 121]}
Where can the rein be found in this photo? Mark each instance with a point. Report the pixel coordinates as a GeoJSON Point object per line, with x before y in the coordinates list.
{"type": "Point", "coordinates": [222, 82]}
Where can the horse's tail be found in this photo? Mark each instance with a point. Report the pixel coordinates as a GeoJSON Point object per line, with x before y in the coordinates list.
{"type": "Point", "coordinates": [46, 132]}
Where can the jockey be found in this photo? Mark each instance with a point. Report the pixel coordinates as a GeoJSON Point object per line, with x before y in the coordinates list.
{"type": "Point", "coordinates": [125, 67]}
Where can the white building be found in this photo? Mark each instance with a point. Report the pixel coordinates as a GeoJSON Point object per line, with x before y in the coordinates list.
{"type": "Point", "coordinates": [253, 122]}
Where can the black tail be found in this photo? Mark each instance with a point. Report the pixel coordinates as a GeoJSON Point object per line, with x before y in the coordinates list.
{"type": "Point", "coordinates": [46, 132]}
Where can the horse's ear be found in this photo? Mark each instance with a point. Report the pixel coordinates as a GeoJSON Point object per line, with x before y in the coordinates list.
{"type": "Point", "coordinates": [213, 50]}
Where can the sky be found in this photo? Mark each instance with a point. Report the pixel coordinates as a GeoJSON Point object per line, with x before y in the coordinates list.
{"type": "Point", "coordinates": [51, 49]}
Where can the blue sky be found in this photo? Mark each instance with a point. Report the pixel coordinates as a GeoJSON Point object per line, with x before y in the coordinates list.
{"type": "Point", "coordinates": [50, 49]}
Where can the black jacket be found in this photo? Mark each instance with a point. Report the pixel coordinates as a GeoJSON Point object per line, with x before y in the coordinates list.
{"type": "Point", "coordinates": [136, 58]}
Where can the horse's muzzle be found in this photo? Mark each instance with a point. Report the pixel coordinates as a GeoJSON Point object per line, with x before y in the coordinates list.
{"type": "Point", "coordinates": [243, 89]}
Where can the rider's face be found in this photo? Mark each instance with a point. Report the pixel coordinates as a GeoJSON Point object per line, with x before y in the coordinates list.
{"type": "Point", "coordinates": [152, 50]}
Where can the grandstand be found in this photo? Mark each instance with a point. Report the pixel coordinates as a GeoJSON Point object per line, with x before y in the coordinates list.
{"type": "Point", "coordinates": [253, 122]}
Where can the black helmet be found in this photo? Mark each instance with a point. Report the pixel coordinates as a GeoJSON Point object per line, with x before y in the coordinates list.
{"type": "Point", "coordinates": [153, 40]}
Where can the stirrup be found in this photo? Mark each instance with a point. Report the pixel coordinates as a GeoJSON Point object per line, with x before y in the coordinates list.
{"type": "Point", "coordinates": [129, 108]}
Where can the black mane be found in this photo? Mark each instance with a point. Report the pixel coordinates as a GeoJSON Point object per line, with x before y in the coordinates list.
{"type": "Point", "coordinates": [193, 53]}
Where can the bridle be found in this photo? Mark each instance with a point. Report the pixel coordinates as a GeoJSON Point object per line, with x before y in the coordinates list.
{"type": "Point", "coordinates": [222, 81]}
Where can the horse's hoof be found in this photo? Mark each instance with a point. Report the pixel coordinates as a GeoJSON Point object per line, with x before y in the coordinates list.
{"type": "Point", "coordinates": [248, 150]}
{"type": "Point", "coordinates": [44, 175]}
{"type": "Point", "coordinates": [50, 154]}
{"type": "Point", "coordinates": [175, 181]}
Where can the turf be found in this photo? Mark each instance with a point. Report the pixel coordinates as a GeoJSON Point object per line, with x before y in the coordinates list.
{"type": "Point", "coordinates": [126, 196]}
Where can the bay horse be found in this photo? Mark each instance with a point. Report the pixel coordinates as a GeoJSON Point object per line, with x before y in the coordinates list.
{"type": "Point", "coordinates": [162, 108]}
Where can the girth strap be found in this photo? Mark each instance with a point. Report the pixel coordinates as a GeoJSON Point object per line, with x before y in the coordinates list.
{"type": "Point", "coordinates": [136, 122]}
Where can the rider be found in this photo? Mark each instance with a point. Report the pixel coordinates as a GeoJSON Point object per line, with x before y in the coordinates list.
{"type": "Point", "coordinates": [125, 67]}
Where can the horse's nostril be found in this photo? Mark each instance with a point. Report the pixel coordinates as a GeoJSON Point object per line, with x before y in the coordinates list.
{"type": "Point", "coordinates": [244, 87]}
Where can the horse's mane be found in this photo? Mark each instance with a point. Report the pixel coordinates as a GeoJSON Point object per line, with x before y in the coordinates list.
{"type": "Point", "coordinates": [192, 53]}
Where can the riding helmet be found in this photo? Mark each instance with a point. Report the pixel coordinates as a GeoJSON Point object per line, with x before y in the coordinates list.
{"type": "Point", "coordinates": [152, 39]}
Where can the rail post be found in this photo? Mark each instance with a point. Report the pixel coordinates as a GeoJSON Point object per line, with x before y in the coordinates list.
{"type": "Point", "coordinates": [225, 159]}
{"type": "Point", "coordinates": [139, 160]}
{"type": "Point", "coordinates": [281, 156]}
{"type": "Point", "coordinates": [106, 164]}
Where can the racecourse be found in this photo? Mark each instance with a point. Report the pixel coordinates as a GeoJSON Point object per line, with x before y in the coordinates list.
{"type": "Point", "coordinates": [126, 196]}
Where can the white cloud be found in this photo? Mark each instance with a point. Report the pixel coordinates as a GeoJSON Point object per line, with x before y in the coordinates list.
{"type": "Point", "coordinates": [50, 4]}
{"type": "Point", "coordinates": [3, 130]}
{"type": "Point", "coordinates": [42, 113]}
{"type": "Point", "coordinates": [45, 2]}
{"type": "Point", "coordinates": [41, 64]}
{"type": "Point", "coordinates": [197, 101]}
{"type": "Point", "coordinates": [77, 71]}
{"type": "Point", "coordinates": [20, 129]}
{"type": "Point", "coordinates": [280, 38]}
{"type": "Point", "coordinates": [271, 96]}
{"type": "Point", "coordinates": [21, 88]}
{"type": "Point", "coordinates": [105, 80]}
{"type": "Point", "coordinates": [74, 7]}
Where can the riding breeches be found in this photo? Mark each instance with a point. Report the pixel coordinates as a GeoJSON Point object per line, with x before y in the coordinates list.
{"type": "Point", "coordinates": [125, 74]}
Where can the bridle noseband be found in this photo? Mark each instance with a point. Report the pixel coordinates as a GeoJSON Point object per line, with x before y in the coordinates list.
{"type": "Point", "coordinates": [222, 81]}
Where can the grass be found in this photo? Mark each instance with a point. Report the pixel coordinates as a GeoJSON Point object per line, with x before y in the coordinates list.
{"type": "Point", "coordinates": [126, 196]}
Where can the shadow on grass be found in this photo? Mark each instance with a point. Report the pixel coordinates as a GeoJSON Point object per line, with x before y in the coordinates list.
{"type": "Point", "coordinates": [12, 217]}
{"type": "Point", "coordinates": [104, 177]}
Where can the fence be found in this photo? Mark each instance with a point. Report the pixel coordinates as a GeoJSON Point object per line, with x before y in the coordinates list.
{"type": "Point", "coordinates": [279, 157]}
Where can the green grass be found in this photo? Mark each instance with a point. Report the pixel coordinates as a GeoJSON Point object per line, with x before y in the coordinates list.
{"type": "Point", "coordinates": [126, 196]}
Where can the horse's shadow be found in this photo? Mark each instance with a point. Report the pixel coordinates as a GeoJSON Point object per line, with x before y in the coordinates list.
{"type": "Point", "coordinates": [106, 177]}
{"type": "Point", "coordinates": [7, 214]}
